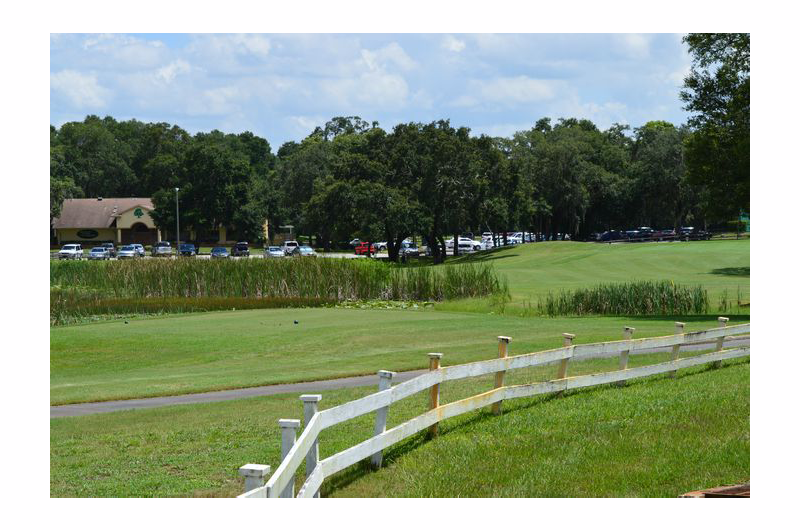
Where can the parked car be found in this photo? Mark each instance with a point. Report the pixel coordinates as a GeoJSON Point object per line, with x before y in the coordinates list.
{"type": "Point", "coordinates": [381, 245]}
{"type": "Point", "coordinates": [612, 235]}
{"type": "Point", "coordinates": [354, 243]}
{"type": "Point", "coordinates": [99, 253]}
{"type": "Point", "coordinates": [127, 252]}
{"type": "Point", "coordinates": [112, 252]}
{"type": "Point", "coordinates": [664, 235]}
{"type": "Point", "coordinates": [273, 252]}
{"type": "Point", "coordinates": [72, 251]}
{"type": "Point", "coordinates": [690, 233]}
{"type": "Point", "coordinates": [408, 250]}
{"type": "Point", "coordinates": [645, 232]}
{"type": "Point", "coordinates": [139, 249]}
{"type": "Point", "coordinates": [303, 251]}
{"type": "Point", "coordinates": [187, 249]}
{"type": "Point", "coordinates": [219, 252]}
{"type": "Point", "coordinates": [465, 244]}
{"type": "Point", "coordinates": [362, 248]}
{"type": "Point", "coordinates": [289, 246]}
{"type": "Point", "coordinates": [162, 248]}
{"type": "Point", "coordinates": [240, 249]}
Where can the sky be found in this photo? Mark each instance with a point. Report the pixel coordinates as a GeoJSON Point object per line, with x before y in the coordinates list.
{"type": "Point", "coordinates": [282, 86]}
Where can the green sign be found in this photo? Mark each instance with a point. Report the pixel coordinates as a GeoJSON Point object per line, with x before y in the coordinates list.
{"type": "Point", "coordinates": [87, 234]}
{"type": "Point", "coordinates": [138, 213]}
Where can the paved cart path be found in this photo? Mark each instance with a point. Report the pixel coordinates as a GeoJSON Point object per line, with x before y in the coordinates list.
{"type": "Point", "coordinates": [83, 409]}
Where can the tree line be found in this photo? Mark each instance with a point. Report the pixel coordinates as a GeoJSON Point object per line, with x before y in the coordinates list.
{"type": "Point", "coordinates": [353, 178]}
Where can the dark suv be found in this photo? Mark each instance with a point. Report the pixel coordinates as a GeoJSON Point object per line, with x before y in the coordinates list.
{"type": "Point", "coordinates": [240, 249]}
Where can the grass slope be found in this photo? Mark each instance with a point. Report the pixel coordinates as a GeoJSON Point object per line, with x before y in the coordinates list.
{"type": "Point", "coordinates": [656, 437]}
{"type": "Point", "coordinates": [233, 349]}
{"type": "Point", "coordinates": [533, 270]}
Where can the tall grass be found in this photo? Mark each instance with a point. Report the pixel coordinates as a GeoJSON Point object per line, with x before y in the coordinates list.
{"type": "Point", "coordinates": [290, 281]}
{"type": "Point", "coordinates": [632, 298]}
{"type": "Point", "coordinates": [70, 306]}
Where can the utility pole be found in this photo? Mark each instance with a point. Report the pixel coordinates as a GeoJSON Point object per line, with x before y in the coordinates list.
{"type": "Point", "coordinates": [177, 225]}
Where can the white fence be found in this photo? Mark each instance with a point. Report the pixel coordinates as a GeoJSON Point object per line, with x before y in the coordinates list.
{"type": "Point", "coordinates": [281, 483]}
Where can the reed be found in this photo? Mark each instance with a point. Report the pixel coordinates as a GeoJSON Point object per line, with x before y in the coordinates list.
{"type": "Point", "coordinates": [632, 298]}
{"type": "Point", "coordinates": [287, 281]}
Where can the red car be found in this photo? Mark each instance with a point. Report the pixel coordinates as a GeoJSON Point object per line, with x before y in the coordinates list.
{"type": "Point", "coordinates": [362, 248]}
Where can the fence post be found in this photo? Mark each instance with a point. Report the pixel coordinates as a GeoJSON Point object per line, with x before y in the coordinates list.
{"type": "Point", "coordinates": [435, 361]}
{"type": "Point", "coordinates": [627, 334]}
{"type": "Point", "coordinates": [310, 407]}
{"type": "Point", "coordinates": [562, 369]}
{"type": "Point", "coordinates": [288, 437]}
{"type": "Point", "coordinates": [253, 475]}
{"type": "Point", "coordinates": [384, 383]}
{"type": "Point", "coordinates": [723, 323]}
{"type": "Point", "coordinates": [679, 327]}
{"type": "Point", "coordinates": [499, 377]}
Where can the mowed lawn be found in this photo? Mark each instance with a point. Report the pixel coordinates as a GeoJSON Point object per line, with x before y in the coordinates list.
{"type": "Point", "coordinates": [533, 270]}
{"type": "Point", "coordinates": [234, 349]}
{"type": "Point", "coordinates": [230, 349]}
{"type": "Point", "coordinates": [655, 437]}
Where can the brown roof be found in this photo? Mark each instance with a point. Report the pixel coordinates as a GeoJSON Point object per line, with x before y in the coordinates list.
{"type": "Point", "coordinates": [94, 213]}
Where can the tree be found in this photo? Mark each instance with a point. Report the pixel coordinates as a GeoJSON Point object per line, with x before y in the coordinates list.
{"type": "Point", "coordinates": [718, 92]}
{"type": "Point", "coordinates": [662, 194]}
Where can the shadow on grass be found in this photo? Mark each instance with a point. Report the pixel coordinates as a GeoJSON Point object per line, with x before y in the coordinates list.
{"type": "Point", "coordinates": [390, 455]}
{"type": "Point", "coordinates": [732, 271]}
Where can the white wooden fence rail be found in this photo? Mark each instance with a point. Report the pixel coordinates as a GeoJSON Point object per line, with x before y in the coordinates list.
{"type": "Point", "coordinates": [283, 477]}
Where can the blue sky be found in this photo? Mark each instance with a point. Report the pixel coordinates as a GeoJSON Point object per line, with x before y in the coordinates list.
{"type": "Point", "coordinates": [281, 86]}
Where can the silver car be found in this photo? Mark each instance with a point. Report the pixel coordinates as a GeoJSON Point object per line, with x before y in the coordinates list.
{"type": "Point", "coordinates": [274, 252]}
{"type": "Point", "coordinates": [139, 249]}
{"type": "Point", "coordinates": [73, 251]}
{"type": "Point", "coordinates": [127, 252]}
{"type": "Point", "coordinates": [304, 251]}
{"type": "Point", "coordinates": [99, 253]}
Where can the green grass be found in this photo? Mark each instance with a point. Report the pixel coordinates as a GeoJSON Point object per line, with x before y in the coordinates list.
{"type": "Point", "coordinates": [534, 270]}
{"type": "Point", "coordinates": [232, 349]}
{"type": "Point", "coordinates": [656, 437]}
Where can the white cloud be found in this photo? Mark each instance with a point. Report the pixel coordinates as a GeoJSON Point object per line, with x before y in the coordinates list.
{"type": "Point", "coordinates": [633, 45]}
{"type": "Point", "coordinates": [82, 90]}
{"type": "Point", "coordinates": [507, 91]}
{"type": "Point", "coordinates": [371, 89]}
{"type": "Point", "coordinates": [228, 47]}
{"type": "Point", "coordinates": [254, 44]}
{"type": "Point", "coordinates": [602, 114]}
{"type": "Point", "coordinates": [386, 57]}
{"type": "Point", "coordinates": [168, 73]}
{"type": "Point", "coordinates": [452, 44]}
{"type": "Point", "coordinates": [124, 51]}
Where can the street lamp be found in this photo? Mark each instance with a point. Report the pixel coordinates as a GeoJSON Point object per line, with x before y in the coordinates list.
{"type": "Point", "coordinates": [177, 225]}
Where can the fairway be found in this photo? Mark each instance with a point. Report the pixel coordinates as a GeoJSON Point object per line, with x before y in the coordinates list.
{"type": "Point", "coordinates": [234, 349]}
{"type": "Point", "coordinates": [533, 270]}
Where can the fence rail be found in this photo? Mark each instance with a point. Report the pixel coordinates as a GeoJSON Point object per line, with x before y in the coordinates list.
{"type": "Point", "coordinates": [281, 483]}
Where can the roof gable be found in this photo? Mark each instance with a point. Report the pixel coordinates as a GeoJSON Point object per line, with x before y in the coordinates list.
{"type": "Point", "coordinates": [96, 213]}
